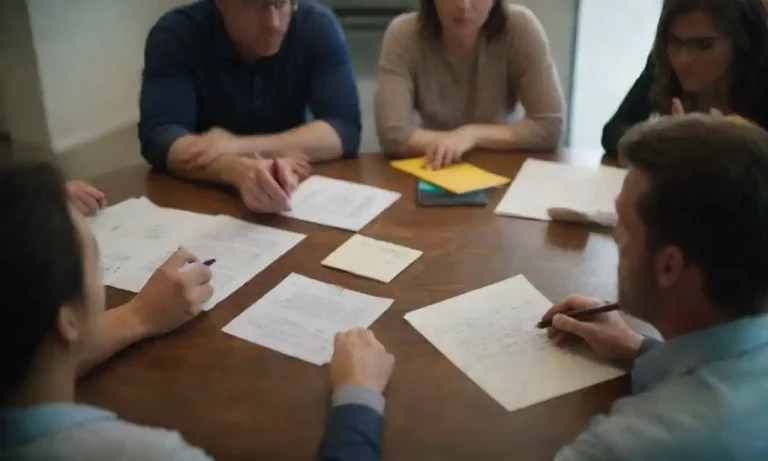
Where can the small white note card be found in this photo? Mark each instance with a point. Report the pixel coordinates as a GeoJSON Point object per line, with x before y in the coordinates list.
{"type": "Point", "coordinates": [371, 258]}
{"type": "Point", "coordinates": [490, 334]}
{"type": "Point", "coordinates": [341, 204]}
{"type": "Point", "coordinates": [300, 317]}
{"type": "Point", "coordinates": [541, 185]}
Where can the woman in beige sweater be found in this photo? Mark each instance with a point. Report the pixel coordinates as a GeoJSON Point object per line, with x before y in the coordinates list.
{"type": "Point", "coordinates": [452, 74]}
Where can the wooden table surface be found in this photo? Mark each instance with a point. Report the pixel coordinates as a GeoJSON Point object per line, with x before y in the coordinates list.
{"type": "Point", "coordinates": [238, 400]}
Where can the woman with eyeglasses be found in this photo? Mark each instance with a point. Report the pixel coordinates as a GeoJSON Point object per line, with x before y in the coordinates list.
{"type": "Point", "coordinates": [462, 67]}
{"type": "Point", "coordinates": [708, 56]}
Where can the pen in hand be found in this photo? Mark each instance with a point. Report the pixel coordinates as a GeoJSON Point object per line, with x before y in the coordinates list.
{"type": "Point", "coordinates": [584, 314]}
{"type": "Point", "coordinates": [209, 262]}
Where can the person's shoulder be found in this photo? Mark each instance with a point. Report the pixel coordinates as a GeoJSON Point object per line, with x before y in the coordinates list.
{"type": "Point", "coordinates": [522, 22]}
{"type": "Point", "coordinates": [188, 19]}
{"type": "Point", "coordinates": [103, 440]}
{"type": "Point", "coordinates": [404, 26]}
{"type": "Point", "coordinates": [311, 14]}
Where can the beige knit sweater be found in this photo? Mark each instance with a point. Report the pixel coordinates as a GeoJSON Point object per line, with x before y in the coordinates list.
{"type": "Point", "coordinates": [420, 85]}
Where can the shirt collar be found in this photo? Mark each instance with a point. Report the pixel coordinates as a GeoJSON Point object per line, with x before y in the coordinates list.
{"type": "Point", "coordinates": [682, 355]}
{"type": "Point", "coordinates": [24, 425]}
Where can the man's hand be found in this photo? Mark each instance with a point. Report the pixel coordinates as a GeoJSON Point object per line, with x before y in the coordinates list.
{"type": "Point", "coordinates": [209, 146]}
{"type": "Point", "coordinates": [448, 148]}
{"type": "Point", "coordinates": [173, 295]}
{"type": "Point", "coordinates": [298, 161]}
{"type": "Point", "coordinates": [265, 185]}
{"type": "Point", "coordinates": [86, 198]}
{"type": "Point", "coordinates": [608, 334]}
{"type": "Point", "coordinates": [359, 358]}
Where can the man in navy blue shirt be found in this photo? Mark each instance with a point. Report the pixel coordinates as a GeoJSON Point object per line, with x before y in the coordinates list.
{"type": "Point", "coordinates": [227, 89]}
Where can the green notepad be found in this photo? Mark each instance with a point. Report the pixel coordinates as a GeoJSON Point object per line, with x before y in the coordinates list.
{"type": "Point", "coordinates": [430, 195]}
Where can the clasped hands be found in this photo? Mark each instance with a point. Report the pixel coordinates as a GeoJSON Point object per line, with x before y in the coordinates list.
{"type": "Point", "coordinates": [264, 184]}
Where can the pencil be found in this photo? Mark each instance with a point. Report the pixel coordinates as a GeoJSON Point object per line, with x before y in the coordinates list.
{"type": "Point", "coordinates": [584, 314]}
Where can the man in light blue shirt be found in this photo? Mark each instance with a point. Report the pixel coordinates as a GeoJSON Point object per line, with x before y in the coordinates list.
{"type": "Point", "coordinates": [693, 261]}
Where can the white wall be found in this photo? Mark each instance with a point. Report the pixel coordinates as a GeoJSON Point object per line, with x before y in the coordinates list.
{"type": "Point", "coordinates": [90, 54]}
{"type": "Point", "coordinates": [612, 48]}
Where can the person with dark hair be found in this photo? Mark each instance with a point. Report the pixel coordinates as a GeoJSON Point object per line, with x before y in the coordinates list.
{"type": "Point", "coordinates": [54, 327]}
{"type": "Point", "coordinates": [226, 79]}
{"type": "Point", "coordinates": [451, 75]}
{"type": "Point", "coordinates": [693, 243]}
{"type": "Point", "coordinates": [708, 55]}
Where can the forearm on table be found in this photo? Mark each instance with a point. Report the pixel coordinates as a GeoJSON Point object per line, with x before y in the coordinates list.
{"type": "Point", "coordinates": [530, 134]}
{"type": "Point", "coordinates": [118, 329]}
{"type": "Point", "coordinates": [223, 170]}
{"type": "Point", "coordinates": [415, 144]}
{"type": "Point", "coordinates": [317, 139]}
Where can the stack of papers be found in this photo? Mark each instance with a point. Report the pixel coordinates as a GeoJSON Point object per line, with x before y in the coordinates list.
{"type": "Point", "coordinates": [301, 316]}
{"type": "Point", "coordinates": [490, 334]}
{"type": "Point", "coordinates": [136, 237]}
{"type": "Point", "coordinates": [341, 204]}
{"type": "Point", "coordinates": [458, 178]}
{"type": "Point", "coordinates": [541, 186]}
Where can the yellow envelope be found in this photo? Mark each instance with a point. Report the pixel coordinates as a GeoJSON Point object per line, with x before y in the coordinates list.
{"type": "Point", "coordinates": [459, 178]}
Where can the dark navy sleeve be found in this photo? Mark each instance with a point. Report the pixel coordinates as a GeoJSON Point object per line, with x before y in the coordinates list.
{"type": "Point", "coordinates": [333, 91]}
{"type": "Point", "coordinates": [635, 108]}
{"type": "Point", "coordinates": [167, 103]}
{"type": "Point", "coordinates": [353, 433]}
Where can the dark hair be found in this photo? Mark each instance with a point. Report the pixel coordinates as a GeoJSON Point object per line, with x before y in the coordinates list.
{"type": "Point", "coordinates": [745, 22]}
{"type": "Point", "coordinates": [41, 264]}
{"type": "Point", "coordinates": [708, 195]}
{"type": "Point", "coordinates": [433, 28]}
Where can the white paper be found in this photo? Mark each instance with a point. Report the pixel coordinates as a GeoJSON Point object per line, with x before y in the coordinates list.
{"type": "Point", "coordinates": [541, 185]}
{"type": "Point", "coordinates": [490, 334]}
{"type": "Point", "coordinates": [137, 237]}
{"type": "Point", "coordinates": [340, 204]}
{"type": "Point", "coordinates": [300, 317]}
{"type": "Point", "coordinates": [375, 259]}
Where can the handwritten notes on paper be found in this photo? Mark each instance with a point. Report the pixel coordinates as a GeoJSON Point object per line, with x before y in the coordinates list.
{"type": "Point", "coordinates": [340, 204]}
{"type": "Point", "coordinates": [300, 317]}
{"type": "Point", "coordinates": [490, 334]}
{"type": "Point", "coordinates": [540, 186]}
{"type": "Point", "coordinates": [459, 178]}
{"type": "Point", "coordinates": [136, 237]}
{"type": "Point", "coordinates": [371, 258]}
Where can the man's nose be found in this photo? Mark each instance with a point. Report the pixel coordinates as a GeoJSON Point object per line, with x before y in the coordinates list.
{"type": "Point", "coordinates": [271, 18]}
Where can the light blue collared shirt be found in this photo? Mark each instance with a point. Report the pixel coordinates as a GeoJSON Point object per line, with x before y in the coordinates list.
{"type": "Point", "coordinates": [65, 431]}
{"type": "Point", "coordinates": [702, 396]}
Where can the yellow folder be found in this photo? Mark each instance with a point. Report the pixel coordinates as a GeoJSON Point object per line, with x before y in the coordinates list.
{"type": "Point", "coordinates": [458, 178]}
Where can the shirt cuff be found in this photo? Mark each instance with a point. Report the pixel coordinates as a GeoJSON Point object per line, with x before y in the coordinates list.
{"type": "Point", "coordinates": [158, 146]}
{"type": "Point", "coordinates": [648, 344]}
{"type": "Point", "coordinates": [356, 394]}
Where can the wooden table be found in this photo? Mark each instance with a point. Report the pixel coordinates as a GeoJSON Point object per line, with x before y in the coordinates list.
{"type": "Point", "coordinates": [238, 400]}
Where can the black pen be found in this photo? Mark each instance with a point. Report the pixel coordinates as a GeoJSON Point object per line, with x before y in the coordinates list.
{"type": "Point", "coordinates": [584, 314]}
{"type": "Point", "coordinates": [209, 262]}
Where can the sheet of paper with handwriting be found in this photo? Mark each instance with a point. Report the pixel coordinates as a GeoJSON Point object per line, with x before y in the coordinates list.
{"type": "Point", "coordinates": [490, 334]}
{"type": "Point", "coordinates": [301, 316]}
{"type": "Point", "coordinates": [341, 204]}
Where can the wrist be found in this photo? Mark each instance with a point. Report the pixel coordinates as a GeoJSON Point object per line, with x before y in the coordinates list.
{"type": "Point", "coordinates": [131, 320]}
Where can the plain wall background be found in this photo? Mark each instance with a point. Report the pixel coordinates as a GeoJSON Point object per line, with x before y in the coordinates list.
{"type": "Point", "coordinates": [90, 54]}
{"type": "Point", "coordinates": [613, 43]}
